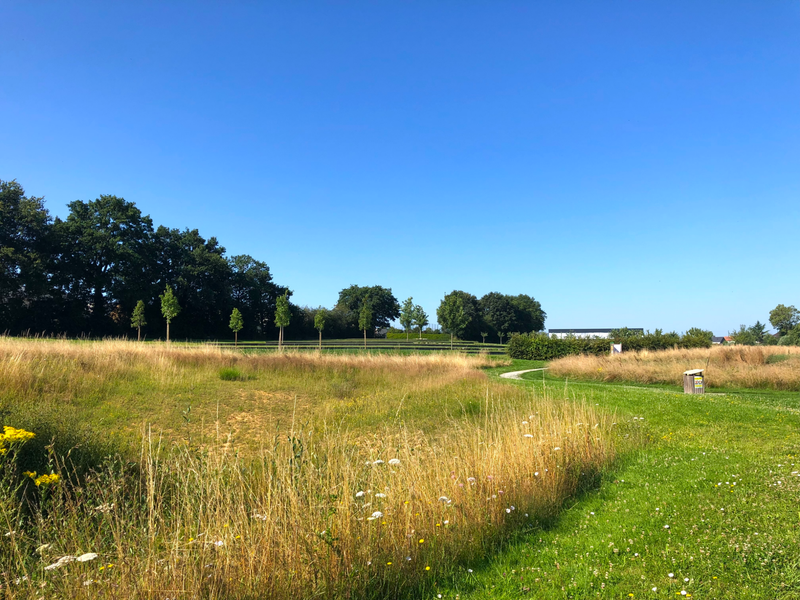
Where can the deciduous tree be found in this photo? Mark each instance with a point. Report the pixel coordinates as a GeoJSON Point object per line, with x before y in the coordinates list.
{"type": "Point", "coordinates": [236, 324]}
{"type": "Point", "coordinates": [784, 318]}
{"type": "Point", "coordinates": [319, 323]}
{"type": "Point", "coordinates": [407, 314]}
{"type": "Point", "coordinates": [452, 316]}
{"type": "Point", "coordinates": [498, 312]}
{"type": "Point", "coordinates": [383, 304]}
{"type": "Point", "coordinates": [282, 316]}
{"type": "Point", "coordinates": [420, 318]}
{"type": "Point", "coordinates": [365, 320]}
{"type": "Point", "coordinates": [169, 307]}
{"type": "Point", "coordinates": [138, 319]}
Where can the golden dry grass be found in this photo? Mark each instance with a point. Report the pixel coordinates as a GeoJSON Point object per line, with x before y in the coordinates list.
{"type": "Point", "coordinates": [766, 367]}
{"type": "Point", "coordinates": [320, 507]}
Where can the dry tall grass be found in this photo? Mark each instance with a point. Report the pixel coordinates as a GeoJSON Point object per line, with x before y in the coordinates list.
{"type": "Point", "coordinates": [766, 367]}
{"type": "Point", "coordinates": [321, 510]}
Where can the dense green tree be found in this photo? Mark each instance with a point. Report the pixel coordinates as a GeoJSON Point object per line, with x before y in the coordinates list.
{"type": "Point", "coordinates": [499, 313]}
{"type": "Point", "coordinates": [26, 294]}
{"type": "Point", "coordinates": [105, 250]}
{"type": "Point", "coordinates": [319, 323]}
{"type": "Point", "coordinates": [138, 319]}
{"type": "Point", "coordinates": [282, 316]}
{"type": "Point", "coordinates": [529, 315]}
{"type": "Point", "coordinates": [383, 304]}
{"type": "Point", "coordinates": [170, 307]}
{"type": "Point", "coordinates": [420, 318]}
{"type": "Point", "coordinates": [236, 323]}
{"type": "Point", "coordinates": [254, 291]}
{"type": "Point", "coordinates": [365, 320]}
{"type": "Point", "coordinates": [407, 314]}
{"type": "Point", "coordinates": [475, 323]}
{"type": "Point", "coordinates": [744, 336]}
{"type": "Point", "coordinates": [759, 330]}
{"type": "Point", "coordinates": [792, 338]}
{"type": "Point", "coordinates": [201, 276]}
{"type": "Point", "coordinates": [784, 318]}
{"type": "Point", "coordinates": [696, 338]}
{"type": "Point", "coordinates": [452, 316]}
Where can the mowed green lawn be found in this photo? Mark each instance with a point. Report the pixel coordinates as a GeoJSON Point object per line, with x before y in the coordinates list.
{"type": "Point", "coordinates": [705, 504]}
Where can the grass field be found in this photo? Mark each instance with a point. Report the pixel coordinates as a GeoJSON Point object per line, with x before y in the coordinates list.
{"type": "Point", "coordinates": [669, 496]}
{"type": "Point", "coordinates": [707, 507]}
{"type": "Point", "coordinates": [757, 367]}
{"type": "Point", "coordinates": [272, 475]}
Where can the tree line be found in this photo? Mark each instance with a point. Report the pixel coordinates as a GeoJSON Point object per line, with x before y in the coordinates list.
{"type": "Point", "coordinates": [786, 321]}
{"type": "Point", "coordinates": [105, 269]}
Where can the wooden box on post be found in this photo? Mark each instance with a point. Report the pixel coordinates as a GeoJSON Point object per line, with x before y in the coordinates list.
{"type": "Point", "coordinates": [694, 382]}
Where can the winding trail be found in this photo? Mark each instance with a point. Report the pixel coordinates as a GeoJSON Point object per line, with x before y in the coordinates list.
{"type": "Point", "coordinates": [516, 374]}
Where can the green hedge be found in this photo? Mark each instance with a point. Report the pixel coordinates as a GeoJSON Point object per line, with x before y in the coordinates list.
{"type": "Point", "coordinates": [537, 346]}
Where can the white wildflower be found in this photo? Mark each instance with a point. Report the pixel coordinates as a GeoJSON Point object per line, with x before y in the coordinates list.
{"type": "Point", "coordinates": [394, 461]}
{"type": "Point", "coordinates": [379, 495]}
{"type": "Point", "coordinates": [87, 557]}
{"type": "Point", "coordinates": [64, 560]}
{"type": "Point", "coordinates": [376, 515]}
{"type": "Point", "coordinates": [377, 462]}
{"type": "Point", "coordinates": [444, 499]}
{"type": "Point", "coordinates": [359, 494]}
{"type": "Point", "coordinates": [528, 435]}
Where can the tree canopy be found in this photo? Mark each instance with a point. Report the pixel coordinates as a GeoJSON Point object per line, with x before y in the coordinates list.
{"type": "Point", "coordinates": [784, 318]}
{"type": "Point", "coordinates": [385, 307]}
{"type": "Point", "coordinates": [86, 273]}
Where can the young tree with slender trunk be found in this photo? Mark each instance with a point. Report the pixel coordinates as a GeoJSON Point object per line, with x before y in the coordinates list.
{"type": "Point", "coordinates": [452, 316]}
{"type": "Point", "coordinates": [137, 320]}
{"type": "Point", "coordinates": [365, 321]}
{"type": "Point", "coordinates": [282, 316]}
{"type": "Point", "coordinates": [420, 318]}
{"type": "Point", "coordinates": [169, 307]}
{"type": "Point", "coordinates": [407, 314]}
{"type": "Point", "coordinates": [236, 325]}
{"type": "Point", "coordinates": [319, 323]}
{"type": "Point", "coordinates": [483, 335]}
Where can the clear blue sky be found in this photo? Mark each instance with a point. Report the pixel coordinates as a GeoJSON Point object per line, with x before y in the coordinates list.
{"type": "Point", "coordinates": [626, 163]}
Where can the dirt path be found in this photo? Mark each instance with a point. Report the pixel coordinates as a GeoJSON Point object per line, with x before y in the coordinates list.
{"type": "Point", "coordinates": [516, 374]}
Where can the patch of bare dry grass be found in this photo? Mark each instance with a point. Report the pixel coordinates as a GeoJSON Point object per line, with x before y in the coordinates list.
{"type": "Point", "coordinates": [765, 367]}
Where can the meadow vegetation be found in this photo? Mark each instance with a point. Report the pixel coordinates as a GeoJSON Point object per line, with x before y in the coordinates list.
{"type": "Point", "coordinates": [703, 506]}
{"type": "Point", "coordinates": [201, 472]}
{"type": "Point", "coordinates": [764, 367]}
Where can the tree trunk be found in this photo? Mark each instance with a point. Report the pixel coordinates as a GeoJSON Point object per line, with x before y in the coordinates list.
{"type": "Point", "coordinates": [167, 331]}
{"type": "Point", "coordinates": [140, 334]}
{"type": "Point", "coordinates": [365, 339]}
{"type": "Point", "coordinates": [451, 340]}
{"type": "Point", "coordinates": [501, 336]}
{"type": "Point", "coordinates": [420, 333]}
{"type": "Point", "coordinates": [235, 339]}
{"type": "Point", "coordinates": [406, 334]}
{"type": "Point", "coordinates": [320, 339]}
{"type": "Point", "coordinates": [280, 339]}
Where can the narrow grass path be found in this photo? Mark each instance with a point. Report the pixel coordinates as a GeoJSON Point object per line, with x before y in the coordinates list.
{"type": "Point", "coordinates": [705, 504]}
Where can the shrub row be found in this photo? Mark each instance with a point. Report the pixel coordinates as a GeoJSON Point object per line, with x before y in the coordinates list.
{"type": "Point", "coordinates": [538, 346]}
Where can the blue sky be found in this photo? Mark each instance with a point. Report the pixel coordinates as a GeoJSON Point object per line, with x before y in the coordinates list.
{"type": "Point", "coordinates": [625, 163]}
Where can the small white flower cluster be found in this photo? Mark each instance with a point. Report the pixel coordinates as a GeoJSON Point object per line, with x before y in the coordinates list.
{"type": "Point", "coordinates": [376, 515]}
{"type": "Point", "coordinates": [65, 560]}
